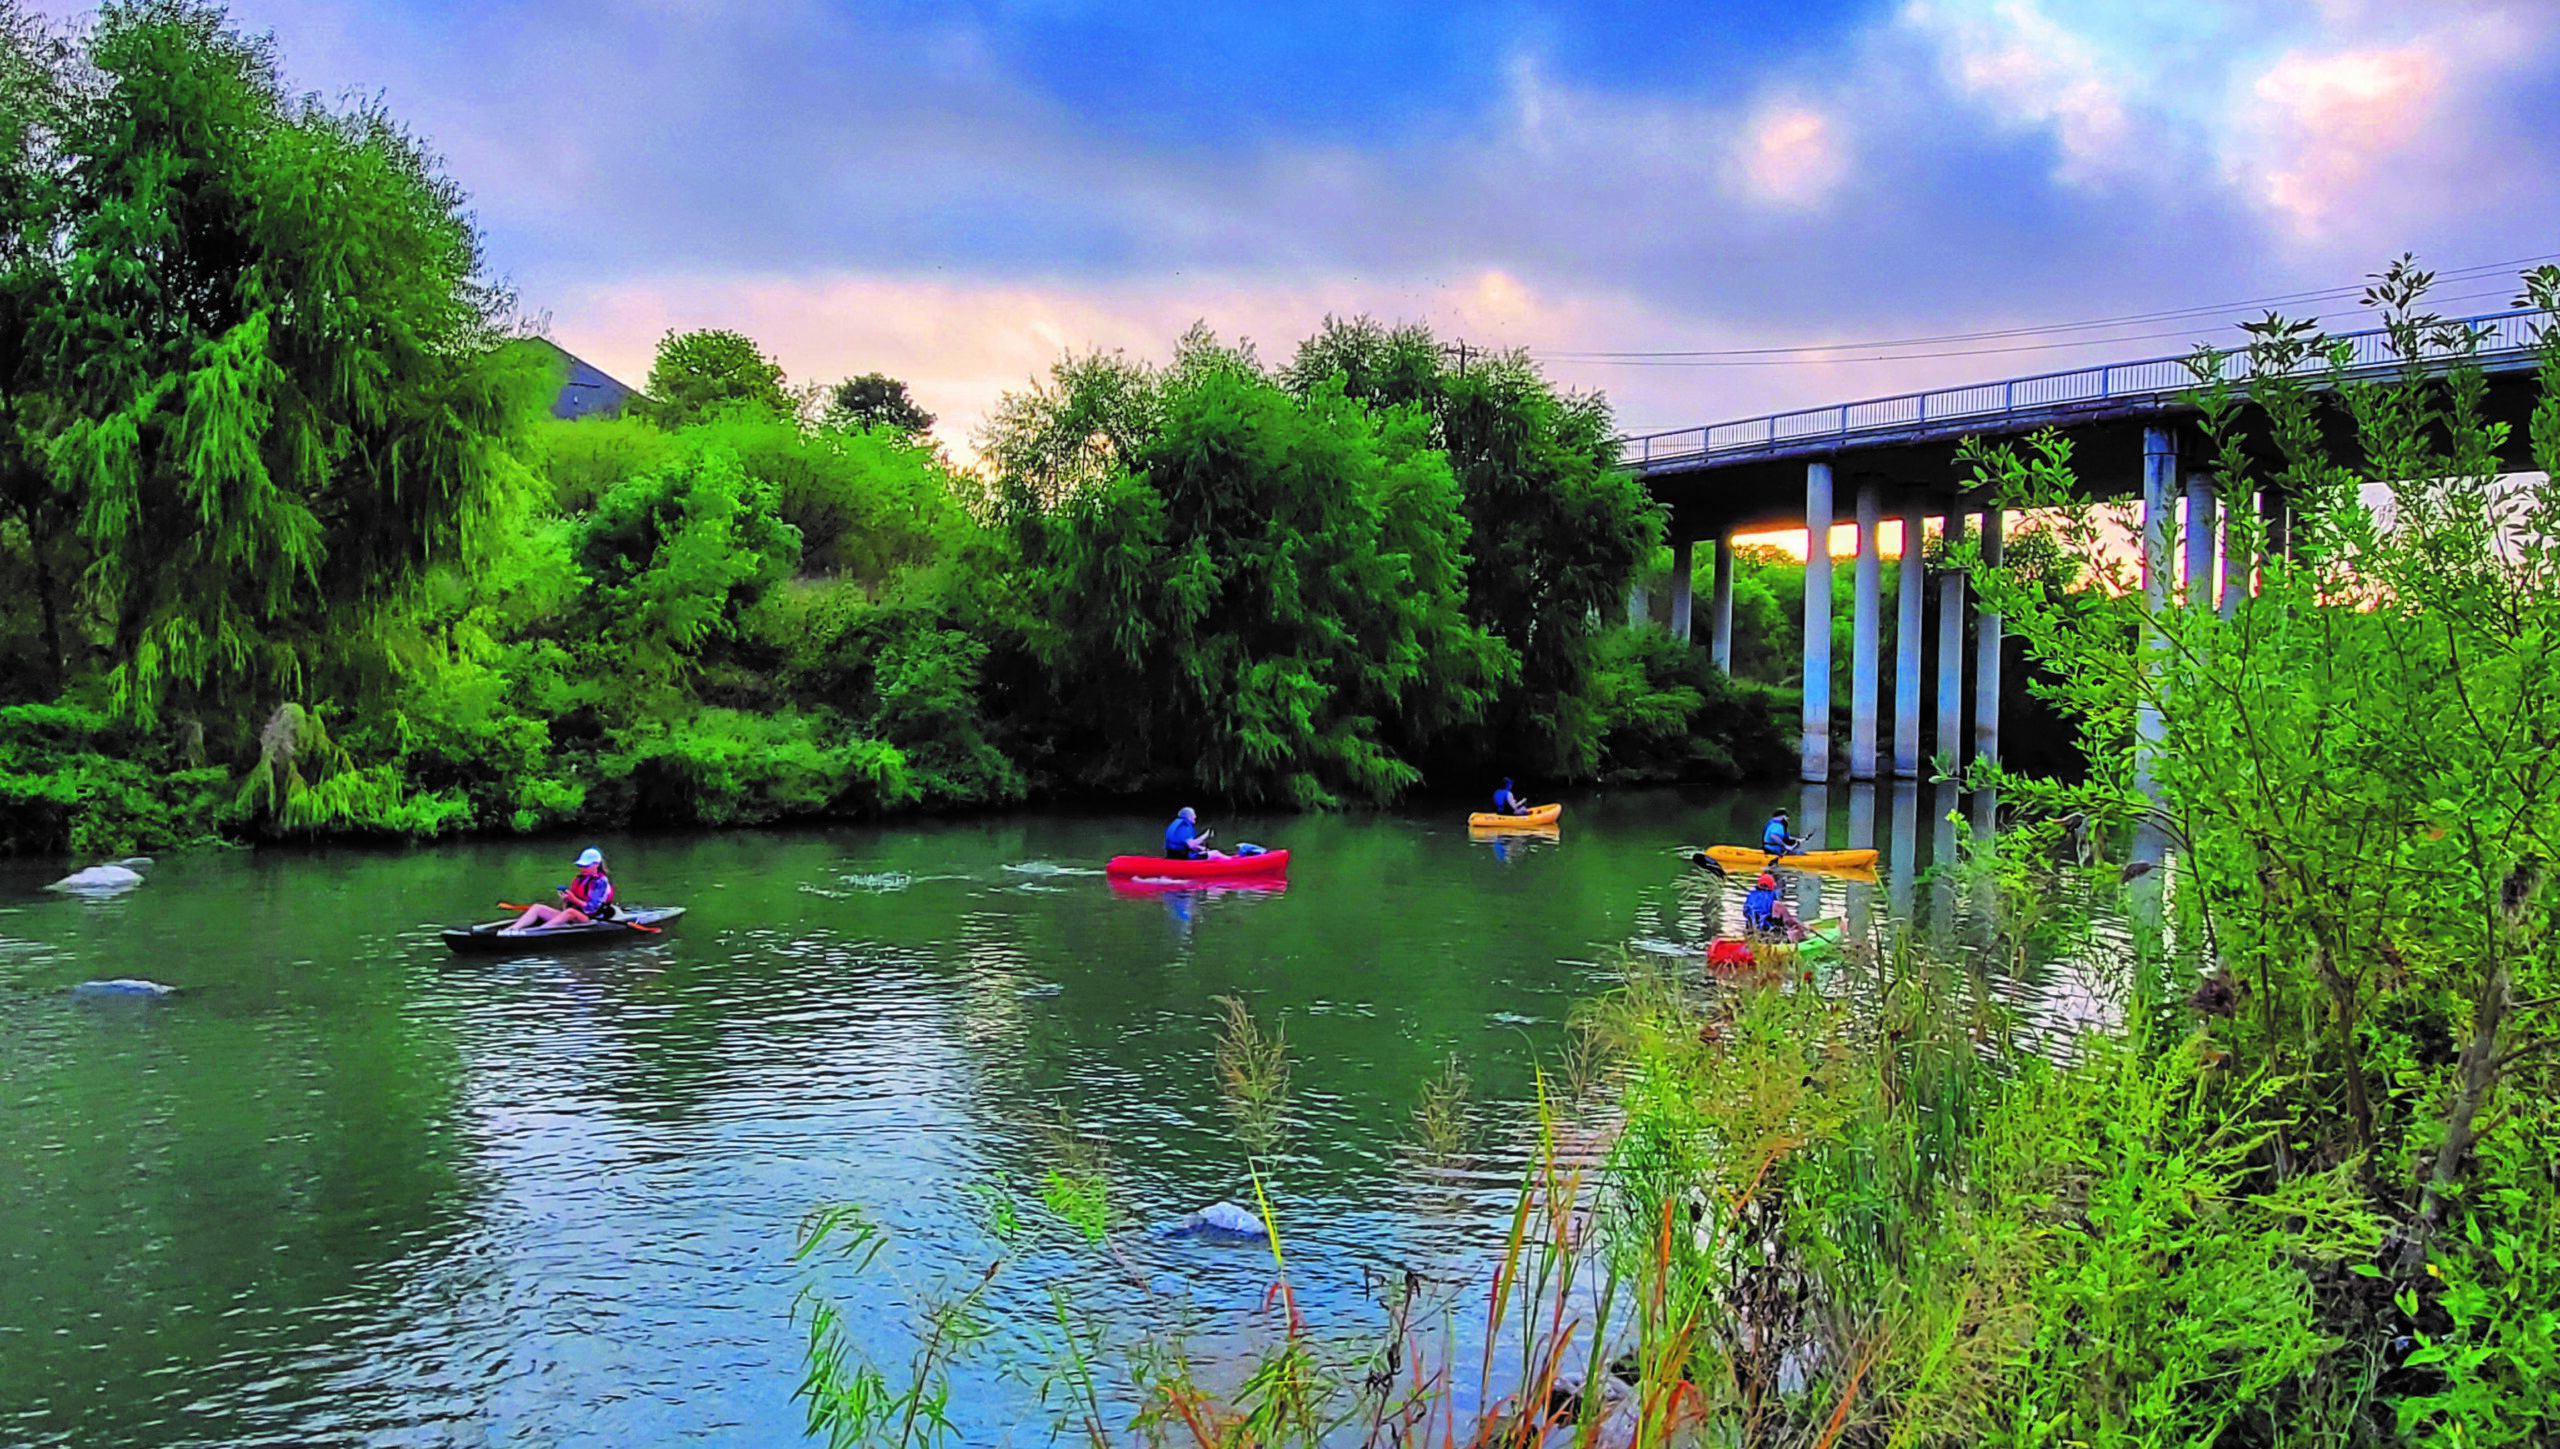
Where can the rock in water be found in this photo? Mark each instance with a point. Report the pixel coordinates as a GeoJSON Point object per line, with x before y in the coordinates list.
{"type": "Point", "coordinates": [98, 880]}
{"type": "Point", "coordinates": [124, 986]}
{"type": "Point", "coordinates": [1221, 1218]}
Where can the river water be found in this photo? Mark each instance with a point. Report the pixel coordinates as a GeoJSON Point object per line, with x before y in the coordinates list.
{"type": "Point", "coordinates": [349, 1188]}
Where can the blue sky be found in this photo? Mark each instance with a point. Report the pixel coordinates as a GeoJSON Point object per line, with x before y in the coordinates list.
{"type": "Point", "coordinates": [955, 194]}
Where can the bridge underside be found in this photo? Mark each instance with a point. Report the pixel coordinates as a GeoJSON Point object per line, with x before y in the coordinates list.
{"type": "Point", "coordinates": [1916, 476]}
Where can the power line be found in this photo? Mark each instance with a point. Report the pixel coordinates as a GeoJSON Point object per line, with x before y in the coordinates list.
{"type": "Point", "coordinates": [2469, 273]}
{"type": "Point", "coordinates": [1701, 359]}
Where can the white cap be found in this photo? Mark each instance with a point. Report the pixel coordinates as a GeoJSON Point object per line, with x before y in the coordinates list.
{"type": "Point", "coordinates": [591, 856]}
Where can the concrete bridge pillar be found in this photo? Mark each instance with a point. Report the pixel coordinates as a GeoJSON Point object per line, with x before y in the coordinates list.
{"type": "Point", "coordinates": [1720, 607]}
{"type": "Point", "coordinates": [2199, 540]}
{"type": "Point", "coordinates": [1986, 657]}
{"type": "Point", "coordinates": [2159, 513]}
{"type": "Point", "coordinates": [1683, 563]}
{"type": "Point", "coordinates": [1906, 648]}
{"type": "Point", "coordinates": [1816, 753]}
{"type": "Point", "coordinates": [1866, 633]}
{"type": "Point", "coordinates": [2237, 565]}
{"type": "Point", "coordinates": [1951, 651]}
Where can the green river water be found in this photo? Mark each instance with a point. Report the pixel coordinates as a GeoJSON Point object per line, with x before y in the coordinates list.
{"type": "Point", "coordinates": [349, 1188]}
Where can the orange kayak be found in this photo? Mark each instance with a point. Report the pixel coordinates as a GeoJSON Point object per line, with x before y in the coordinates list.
{"type": "Point", "coordinates": [1536, 819]}
{"type": "Point", "coordinates": [1752, 857]}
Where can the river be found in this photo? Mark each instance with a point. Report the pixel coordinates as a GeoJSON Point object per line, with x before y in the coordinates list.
{"type": "Point", "coordinates": [349, 1188]}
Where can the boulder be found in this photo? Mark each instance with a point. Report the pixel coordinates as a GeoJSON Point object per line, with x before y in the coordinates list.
{"type": "Point", "coordinates": [98, 880]}
{"type": "Point", "coordinates": [1219, 1219]}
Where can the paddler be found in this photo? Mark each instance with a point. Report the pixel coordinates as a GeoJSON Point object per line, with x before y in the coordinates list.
{"type": "Point", "coordinates": [1765, 914]}
{"type": "Point", "coordinates": [1775, 839]}
{"type": "Point", "coordinates": [587, 897]}
{"type": "Point", "coordinates": [1507, 803]}
{"type": "Point", "coordinates": [1185, 840]}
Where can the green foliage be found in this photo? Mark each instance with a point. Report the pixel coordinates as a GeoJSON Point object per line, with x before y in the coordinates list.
{"type": "Point", "coordinates": [876, 400]}
{"type": "Point", "coordinates": [1556, 529]}
{"type": "Point", "coordinates": [2356, 765]}
{"type": "Point", "coordinates": [707, 373]}
{"type": "Point", "coordinates": [1955, 1253]}
{"type": "Point", "coordinates": [1266, 602]}
{"type": "Point", "coordinates": [290, 394]}
{"type": "Point", "coordinates": [76, 784]}
{"type": "Point", "coordinates": [725, 767]}
{"type": "Point", "coordinates": [1669, 714]}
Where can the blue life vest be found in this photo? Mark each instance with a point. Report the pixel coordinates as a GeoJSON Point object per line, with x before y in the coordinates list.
{"type": "Point", "coordinates": [1177, 837]}
{"type": "Point", "coordinates": [1774, 837]}
{"type": "Point", "coordinates": [1502, 800]}
{"type": "Point", "coordinates": [1759, 907]}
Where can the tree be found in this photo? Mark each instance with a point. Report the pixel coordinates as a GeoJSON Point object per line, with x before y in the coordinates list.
{"type": "Point", "coordinates": [876, 400]}
{"type": "Point", "coordinates": [1557, 528]}
{"type": "Point", "coordinates": [698, 374]}
{"type": "Point", "coordinates": [272, 376]}
{"type": "Point", "coordinates": [1264, 599]}
{"type": "Point", "coordinates": [35, 99]}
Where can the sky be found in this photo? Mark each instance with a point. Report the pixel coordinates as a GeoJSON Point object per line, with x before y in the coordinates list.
{"type": "Point", "coordinates": [956, 194]}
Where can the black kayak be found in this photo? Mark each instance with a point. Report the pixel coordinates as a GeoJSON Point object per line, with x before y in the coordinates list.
{"type": "Point", "coordinates": [491, 938]}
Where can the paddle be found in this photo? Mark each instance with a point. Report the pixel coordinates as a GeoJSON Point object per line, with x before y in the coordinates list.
{"type": "Point", "coordinates": [635, 925]}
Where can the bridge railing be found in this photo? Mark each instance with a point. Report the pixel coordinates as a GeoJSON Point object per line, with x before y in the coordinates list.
{"type": "Point", "coordinates": [2148, 379]}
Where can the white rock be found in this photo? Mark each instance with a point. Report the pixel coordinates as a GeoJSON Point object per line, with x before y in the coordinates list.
{"type": "Point", "coordinates": [1221, 1217]}
{"type": "Point", "coordinates": [98, 880]}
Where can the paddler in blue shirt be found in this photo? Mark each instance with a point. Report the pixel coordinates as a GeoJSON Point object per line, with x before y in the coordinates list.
{"type": "Point", "coordinates": [1185, 840]}
{"type": "Point", "coordinates": [1765, 914]}
{"type": "Point", "coordinates": [1775, 839]}
{"type": "Point", "coordinates": [1507, 803]}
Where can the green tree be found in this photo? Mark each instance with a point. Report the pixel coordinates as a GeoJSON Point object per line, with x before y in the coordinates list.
{"type": "Point", "coordinates": [1557, 529]}
{"type": "Point", "coordinates": [702, 373]}
{"type": "Point", "coordinates": [876, 400]}
{"type": "Point", "coordinates": [275, 385]}
{"type": "Point", "coordinates": [1264, 600]}
{"type": "Point", "coordinates": [35, 98]}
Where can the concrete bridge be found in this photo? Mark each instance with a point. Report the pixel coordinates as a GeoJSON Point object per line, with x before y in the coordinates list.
{"type": "Point", "coordinates": [2133, 432]}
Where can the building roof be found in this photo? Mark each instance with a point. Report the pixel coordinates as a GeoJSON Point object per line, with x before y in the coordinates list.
{"type": "Point", "coordinates": [589, 391]}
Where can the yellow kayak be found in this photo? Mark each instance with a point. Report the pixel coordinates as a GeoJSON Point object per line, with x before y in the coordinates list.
{"type": "Point", "coordinates": [1752, 857]}
{"type": "Point", "coordinates": [1537, 819]}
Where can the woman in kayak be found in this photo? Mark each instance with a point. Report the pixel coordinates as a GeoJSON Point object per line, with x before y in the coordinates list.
{"type": "Point", "coordinates": [589, 897]}
{"type": "Point", "coordinates": [1764, 914]}
{"type": "Point", "coordinates": [1507, 803]}
{"type": "Point", "coordinates": [1184, 839]}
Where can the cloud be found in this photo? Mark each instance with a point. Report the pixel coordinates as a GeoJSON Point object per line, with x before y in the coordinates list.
{"type": "Point", "coordinates": [2327, 123]}
{"type": "Point", "coordinates": [1792, 155]}
{"type": "Point", "coordinates": [2031, 69]}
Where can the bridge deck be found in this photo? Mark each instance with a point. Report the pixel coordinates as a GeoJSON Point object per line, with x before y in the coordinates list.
{"type": "Point", "coordinates": [1912, 437]}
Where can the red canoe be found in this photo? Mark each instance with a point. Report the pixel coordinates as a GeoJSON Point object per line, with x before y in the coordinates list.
{"type": "Point", "coordinates": [1158, 867]}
